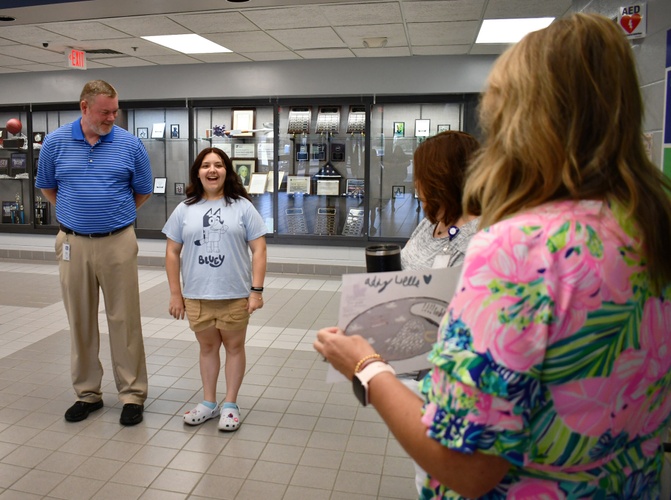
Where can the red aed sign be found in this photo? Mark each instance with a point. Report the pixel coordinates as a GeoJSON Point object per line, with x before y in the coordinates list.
{"type": "Point", "coordinates": [76, 58]}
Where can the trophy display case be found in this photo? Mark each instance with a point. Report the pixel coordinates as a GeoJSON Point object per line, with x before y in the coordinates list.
{"type": "Point", "coordinates": [336, 169]}
{"type": "Point", "coordinates": [16, 179]}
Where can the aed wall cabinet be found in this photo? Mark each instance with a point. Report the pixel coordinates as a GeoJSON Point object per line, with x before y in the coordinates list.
{"type": "Point", "coordinates": [335, 169]}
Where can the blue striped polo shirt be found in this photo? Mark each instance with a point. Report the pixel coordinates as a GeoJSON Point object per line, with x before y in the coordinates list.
{"type": "Point", "coordinates": [96, 184]}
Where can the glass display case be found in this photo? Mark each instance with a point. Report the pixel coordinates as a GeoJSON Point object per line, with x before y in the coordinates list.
{"type": "Point", "coordinates": [317, 169]}
{"type": "Point", "coordinates": [16, 169]}
{"type": "Point", "coordinates": [164, 131]}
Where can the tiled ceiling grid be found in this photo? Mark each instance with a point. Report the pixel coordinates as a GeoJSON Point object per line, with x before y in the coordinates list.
{"type": "Point", "coordinates": [259, 30]}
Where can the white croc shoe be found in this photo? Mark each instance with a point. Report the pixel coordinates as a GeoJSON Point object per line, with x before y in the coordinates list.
{"type": "Point", "coordinates": [200, 414]}
{"type": "Point", "coordinates": [230, 419]}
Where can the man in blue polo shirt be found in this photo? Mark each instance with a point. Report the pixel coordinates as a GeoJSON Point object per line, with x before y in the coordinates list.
{"type": "Point", "coordinates": [97, 175]}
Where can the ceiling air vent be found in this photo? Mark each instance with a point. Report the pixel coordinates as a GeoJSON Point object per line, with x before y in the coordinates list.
{"type": "Point", "coordinates": [104, 51]}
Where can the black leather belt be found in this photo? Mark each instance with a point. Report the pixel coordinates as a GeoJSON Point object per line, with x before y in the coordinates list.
{"type": "Point", "coordinates": [91, 235]}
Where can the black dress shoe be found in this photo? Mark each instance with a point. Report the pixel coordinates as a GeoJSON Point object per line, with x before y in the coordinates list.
{"type": "Point", "coordinates": [81, 409]}
{"type": "Point", "coordinates": [131, 414]}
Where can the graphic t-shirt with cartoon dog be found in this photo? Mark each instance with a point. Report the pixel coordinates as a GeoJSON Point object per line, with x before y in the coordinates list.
{"type": "Point", "coordinates": [215, 259]}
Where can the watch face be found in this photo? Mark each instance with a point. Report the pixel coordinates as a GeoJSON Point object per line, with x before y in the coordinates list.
{"type": "Point", "coordinates": [359, 390]}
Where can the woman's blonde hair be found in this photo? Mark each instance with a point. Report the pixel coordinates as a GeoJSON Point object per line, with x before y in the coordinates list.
{"type": "Point", "coordinates": [562, 119]}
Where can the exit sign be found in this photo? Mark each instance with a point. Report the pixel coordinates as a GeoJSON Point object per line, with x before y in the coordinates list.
{"type": "Point", "coordinates": [76, 58]}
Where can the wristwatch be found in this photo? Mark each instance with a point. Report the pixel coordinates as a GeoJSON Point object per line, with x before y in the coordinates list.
{"type": "Point", "coordinates": [361, 379]}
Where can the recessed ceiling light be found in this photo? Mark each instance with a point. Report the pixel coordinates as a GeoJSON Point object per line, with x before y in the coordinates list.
{"type": "Point", "coordinates": [187, 44]}
{"type": "Point", "coordinates": [510, 30]}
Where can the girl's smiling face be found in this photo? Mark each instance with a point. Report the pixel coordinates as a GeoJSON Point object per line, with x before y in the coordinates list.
{"type": "Point", "coordinates": [212, 174]}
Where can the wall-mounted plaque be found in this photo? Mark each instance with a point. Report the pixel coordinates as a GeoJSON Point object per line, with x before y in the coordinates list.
{"type": "Point", "coordinates": [302, 151]}
{"type": "Point", "coordinates": [299, 120]}
{"type": "Point", "coordinates": [337, 152]}
{"type": "Point", "coordinates": [328, 120]}
{"type": "Point", "coordinates": [19, 164]}
{"type": "Point", "coordinates": [356, 120]}
{"type": "Point", "coordinates": [328, 187]}
{"type": "Point", "coordinates": [298, 184]}
{"type": "Point", "coordinates": [158, 131]}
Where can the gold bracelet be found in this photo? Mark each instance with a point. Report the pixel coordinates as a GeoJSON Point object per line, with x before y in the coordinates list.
{"type": "Point", "coordinates": [357, 368]}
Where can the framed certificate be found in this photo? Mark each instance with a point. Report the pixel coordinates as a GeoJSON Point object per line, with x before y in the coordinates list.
{"type": "Point", "coordinates": [158, 130]}
{"type": "Point", "coordinates": [298, 184]}
{"type": "Point", "coordinates": [422, 128]}
{"type": "Point", "coordinates": [328, 187]}
{"type": "Point", "coordinates": [243, 122]}
{"type": "Point", "coordinates": [442, 128]}
{"type": "Point", "coordinates": [243, 150]}
{"type": "Point", "coordinates": [244, 169]}
{"type": "Point", "coordinates": [159, 185]}
{"type": "Point", "coordinates": [257, 184]}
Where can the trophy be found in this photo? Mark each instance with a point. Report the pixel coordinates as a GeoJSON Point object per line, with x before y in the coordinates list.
{"type": "Point", "coordinates": [39, 212]}
{"type": "Point", "coordinates": [19, 213]}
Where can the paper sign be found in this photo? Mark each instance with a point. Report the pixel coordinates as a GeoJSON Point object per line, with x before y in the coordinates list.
{"type": "Point", "coordinates": [397, 312]}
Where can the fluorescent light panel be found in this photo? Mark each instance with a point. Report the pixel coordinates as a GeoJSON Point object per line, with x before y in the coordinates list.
{"type": "Point", "coordinates": [187, 44]}
{"type": "Point", "coordinates": [510, 30]}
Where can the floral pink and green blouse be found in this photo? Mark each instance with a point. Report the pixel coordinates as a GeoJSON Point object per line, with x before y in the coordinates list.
{"type": "Point", "coordinates": [555, 355]}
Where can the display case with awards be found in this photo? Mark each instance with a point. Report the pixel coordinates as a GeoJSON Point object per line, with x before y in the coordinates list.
{"type": "Point", "coordinates": [326, 221]}
{"type": "Point", "coordinates": [299, 120]}
{"type": "Point", "coordinates": [42, 216]}
{"type": "Point", "coordinates": [9, 208]}
{"type": "Point", "coordinates": [296, 223]}
{"type": "Point", "coordinates": [354, 222]}
{"type": "Point", "coordinates": [19, 163]}
{"type": "Point", "coordinates": [337, 152]}
{"type": "Point", "coordinates": [3, 135]}
{"type": "Point", "coordinates": [356, 120]}
{"type": "Point", "coordinates": [328, 120]}
{"type": "Point", "coordinates": [4, 168]}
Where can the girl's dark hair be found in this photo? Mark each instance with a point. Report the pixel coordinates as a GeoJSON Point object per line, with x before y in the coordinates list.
{"type": "Point", "coordinates": [233, 188]}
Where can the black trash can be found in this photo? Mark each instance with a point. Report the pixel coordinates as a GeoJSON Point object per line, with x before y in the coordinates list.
{"type": "Point", "coordinates": [383, 257]}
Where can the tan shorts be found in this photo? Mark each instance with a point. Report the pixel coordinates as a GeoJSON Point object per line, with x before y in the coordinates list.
{"type": "Point", "coordinates": [230, 314]}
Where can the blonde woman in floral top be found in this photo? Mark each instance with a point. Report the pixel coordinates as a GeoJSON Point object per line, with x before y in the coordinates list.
{"type": "Point", "coordinates": [552, 371]}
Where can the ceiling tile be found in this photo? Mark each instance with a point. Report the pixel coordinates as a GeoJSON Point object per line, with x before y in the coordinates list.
{"type": "Point", "coordinates": [33, 54]}
{"type": "Point", "coordinates": [271, 56]}
{"type": "Point", "coordinates": [308, 38]}
{"type": "Point", "coordinates": [41, 67]}
{"type": "Point", "coordinates": [385, 52]}
{"type": "Point", "coordinates": [146, 26]}
{"type": "Point", "coordinates": [220, 58]}
{"type": "Point", "coordinates": [174, 59]}
{"type": "Point", "coordinates": [247, 41]}
{"type": "Point", "coordinates": [84, 30]}
{"type": "Point", "coordinates": [325, 53]}
{"type": "Point", "coordinates": [354, 35]}
{"type": "Point", "coordinates": [500, 9]}
{"type": "Point", "coordinates": [215, 22]}
{"type": "Point", "coordinates": [440, 50]}
{"type": "Point", "coordinates": [365, 13]}
{"type": "Point", "coordinates": [288, 17]}
{"type": "Point", "coordinates": [452, 33]}
{"type": "Point", "coordinates": [32, 35]}
{"type": "Point", "coordinates": [450, 10]}
{"type": "Point", "coordinates": [127, 62]}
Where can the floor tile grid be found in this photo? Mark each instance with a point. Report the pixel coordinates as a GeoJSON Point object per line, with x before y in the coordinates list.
{"type": "Point", "coordinates": [301, 437]}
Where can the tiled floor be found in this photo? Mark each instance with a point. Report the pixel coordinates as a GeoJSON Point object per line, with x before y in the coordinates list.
{"type": "Point", "coordinates": [300, 438]}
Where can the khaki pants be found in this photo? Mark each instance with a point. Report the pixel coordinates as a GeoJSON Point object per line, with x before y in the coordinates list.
{"type": "Point", "coordinates": [108, 264]}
